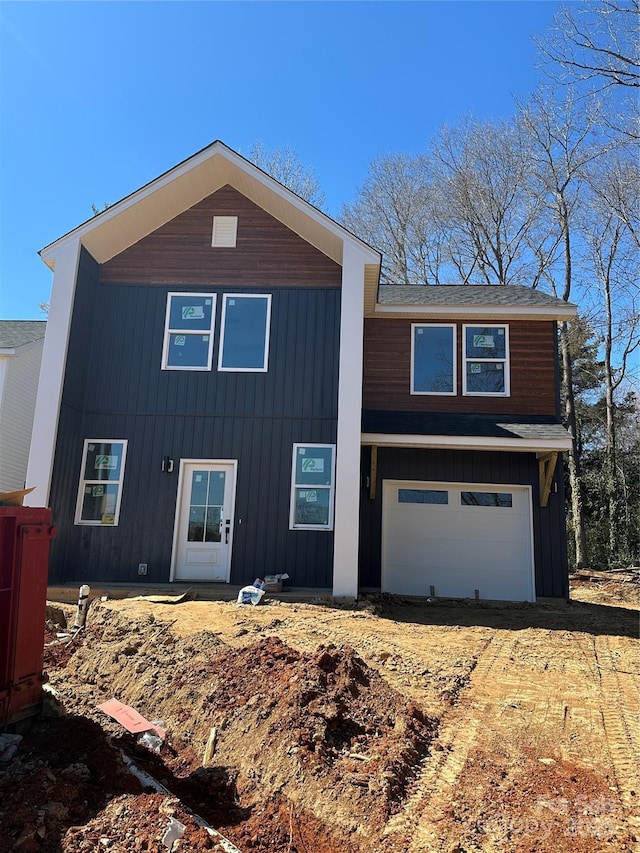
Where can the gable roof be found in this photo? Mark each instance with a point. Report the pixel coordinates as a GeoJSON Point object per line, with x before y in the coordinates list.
{"type": "Point", "coordinates": [16, 333]}
{"type": "Point", "coordinates": [162, 199]}
{"type": "Point", "coordinates": [471, 300]}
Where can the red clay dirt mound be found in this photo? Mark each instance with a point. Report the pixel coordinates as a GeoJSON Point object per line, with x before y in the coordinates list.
{"type": "Point", "coordinates": [313, 751]}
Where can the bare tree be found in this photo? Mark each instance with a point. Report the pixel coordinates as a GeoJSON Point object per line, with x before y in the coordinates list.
{"type": "Point", "coordinates": [596, 42]}
{"type": "Point", "coordinates": [398, 210]}
{"type": "Point", "coordinates": [593, 47]}
{"type": "Point", "coordinates": [612, 254]}
{"type": "Point", "coordinates": [285, 166]}
{"type": "Point", "coordinates": [562, 150]}
{"type": "Point", "coordinates": [491, 215]}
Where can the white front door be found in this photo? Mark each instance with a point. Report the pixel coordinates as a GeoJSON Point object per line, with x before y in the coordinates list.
{"type": "Point", "coordinates": [204, 524]}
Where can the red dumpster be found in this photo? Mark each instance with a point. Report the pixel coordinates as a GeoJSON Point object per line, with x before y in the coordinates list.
{"type": "Point", "coordinates": [25, 533]}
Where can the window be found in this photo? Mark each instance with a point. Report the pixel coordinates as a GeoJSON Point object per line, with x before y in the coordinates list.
{"type": "Point", "coordinates": [101, 477]}
{"type": "Point", "coordinates": [486, 360]}
{"type": "Point", "coordinates": [244, 332]}
{"type": "Point", "coordinates": [188, 333]}
{"type": "Point", "coordinates": [433, 359]}
{"type": "Point", "coordinates": [504, 499]}
{"type": "Point", "coordinates": [422, 496]}
{"type": "Point", "coordinates": [312, 487]}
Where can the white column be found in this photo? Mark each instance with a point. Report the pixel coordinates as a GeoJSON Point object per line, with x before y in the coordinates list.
{"type": "Point", "coordinates": [347, 501]}
{"type": "Point", "coordinates": [54, 356]}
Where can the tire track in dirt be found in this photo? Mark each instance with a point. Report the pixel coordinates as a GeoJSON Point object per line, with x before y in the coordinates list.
{"type": "Point", "coordinates": [416, 828]}
{"type": "Point", "coordinates": [620, 710]}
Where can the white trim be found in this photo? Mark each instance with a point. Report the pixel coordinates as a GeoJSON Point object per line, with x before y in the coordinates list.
{"type": "Point", "coordinates": [267, 333]}
{"type": "Point", "coordinates": [84, 481]}
{"type": "Point", "coordinates": [168, 331]}
{"type": "Point", "coordinates": [225, 232]}
{"type": "Point", "coordinates": [506, 361]}
{"type": "Point", "coordinates": [454, 360]}
{"type": "Point", "coordinates": [460, 442]}
{"type": "Point", "coordinates": [388, 484]}
{"type": "Point", "coordinates": [52, 372]}
{"type": "Point", "coordinates": [177, 519]}
{"type": "Point", "coordinates": [295, 485]}
{"type": "Point", "coordinates": [468, 312]}
{"type": "Point", "coordinates": [347, 516]}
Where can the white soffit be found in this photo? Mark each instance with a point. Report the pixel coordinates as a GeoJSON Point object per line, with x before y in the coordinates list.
{"type": "Point", "coordinates": [565, 311]}
{"type": "Point", "coordinates": [449, 442]}
{"type": "Point", "coordinates": [160, 201]}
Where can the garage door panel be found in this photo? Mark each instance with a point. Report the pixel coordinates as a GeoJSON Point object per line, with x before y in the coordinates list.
{"type": "Point", "coordinates": [457, 548]}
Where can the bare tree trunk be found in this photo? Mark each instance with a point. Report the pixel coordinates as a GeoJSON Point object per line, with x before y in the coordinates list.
{"type": "Point", "coordinates": [575, 473]}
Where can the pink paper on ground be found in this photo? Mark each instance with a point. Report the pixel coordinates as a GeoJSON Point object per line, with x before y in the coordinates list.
{"type": "Point", "coordinates": [128, 717]}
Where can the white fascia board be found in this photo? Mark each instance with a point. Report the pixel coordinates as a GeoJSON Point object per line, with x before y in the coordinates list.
{"type": "Point", "coordinates": [347, 494]}
{"type": "Point", "coordinates": [52, 370]}
{"type": "Point", "coordinates": [449, 442]}
{"type": "Point", "coordinates": [162, 199]}
{"type": "Point", "coordinates": [7, 351]}
{"type": "Point", "coordinates": [471, 312]}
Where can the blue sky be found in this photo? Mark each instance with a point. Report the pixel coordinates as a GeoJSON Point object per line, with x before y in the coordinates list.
{"type": "Point", "coordinates": [97, 99]}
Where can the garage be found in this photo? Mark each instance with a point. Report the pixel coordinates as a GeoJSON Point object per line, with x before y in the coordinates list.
{"type": "Point", "coordinates": [457, 538]}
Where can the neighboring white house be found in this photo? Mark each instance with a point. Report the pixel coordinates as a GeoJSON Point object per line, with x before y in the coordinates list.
{"type": "Point", "coordinates": [21, 344]}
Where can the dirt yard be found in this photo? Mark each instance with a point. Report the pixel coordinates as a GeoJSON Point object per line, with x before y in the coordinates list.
{"type": "Point", "coordinates": [392, 726]}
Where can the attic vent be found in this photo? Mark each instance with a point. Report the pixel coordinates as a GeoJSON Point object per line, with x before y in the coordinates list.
{"type": "Point", "coordinates": [225, 229]}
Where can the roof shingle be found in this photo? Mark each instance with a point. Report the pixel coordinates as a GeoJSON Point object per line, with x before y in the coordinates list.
{"type": "Point", "coordinates": [16, 333]}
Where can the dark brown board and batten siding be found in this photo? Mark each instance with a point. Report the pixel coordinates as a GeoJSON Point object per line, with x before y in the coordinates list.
{"type": "Point", "coordinates": [387, 371]}
{"type": "Point", "coordinates": [267, 253]}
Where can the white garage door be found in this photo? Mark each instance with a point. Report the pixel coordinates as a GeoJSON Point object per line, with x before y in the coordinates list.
{"type": "Point", "coordinates": [457, 537]}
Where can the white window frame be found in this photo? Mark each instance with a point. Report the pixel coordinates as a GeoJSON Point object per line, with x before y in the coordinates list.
{"type": "Point", "coordinates": [267, 333]}
{"type": "Point", "coordinates": [168, 331]}
{"type": "Point", "coordinates": [505, 361]}
{"type": "Point", "coordinates": [454, 359]}
{"type": "Point", "coordinates": [88, 482]}
{"type": "Point", "coordinates": [331, 488]}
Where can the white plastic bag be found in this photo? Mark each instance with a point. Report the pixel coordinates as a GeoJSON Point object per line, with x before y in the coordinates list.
{"type": "Point", "coordinates": [250, 595]}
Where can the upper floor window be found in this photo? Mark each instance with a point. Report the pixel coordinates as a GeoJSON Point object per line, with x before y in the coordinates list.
{"type": "Point", "coordinates": [188, 332]}
{"type": "Point", "coordinates": [485, 360]}
{"type": "Point", "coordinates": [101, 478]}
{"type": "Point", "coordinates": [244, 332]}
{"type": "Point", "coordinates": [433, 361]}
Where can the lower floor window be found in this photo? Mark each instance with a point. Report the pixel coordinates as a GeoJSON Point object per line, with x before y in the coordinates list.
{"type": "Point", "coordinates": [312, 487]}
{"type": "Point", "coordinates": [101, 476]}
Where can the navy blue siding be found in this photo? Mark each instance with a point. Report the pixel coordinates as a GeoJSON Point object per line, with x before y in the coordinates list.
{"type": "Point", "coordinates": [122, 393]}
{"type": "Point", "coordinates": [549, 533]}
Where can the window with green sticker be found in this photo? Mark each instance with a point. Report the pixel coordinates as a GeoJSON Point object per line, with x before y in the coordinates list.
{"type": "Point", "coordinates": [100, 489]}
{"type": "Point", "coordinates": [312, 487]}
{"type": "Point", "coordinates": [485, 360]}
{"type": "Point", "coordinates": [188, 333]}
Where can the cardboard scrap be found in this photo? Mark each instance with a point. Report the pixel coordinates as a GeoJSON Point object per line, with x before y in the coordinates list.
{"type": "Point", "coordinates": [14, 498]}
{"type": "Point", "coordinates": [129, 717]}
